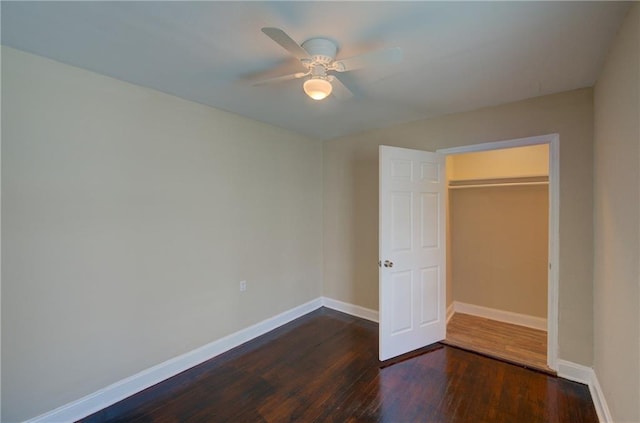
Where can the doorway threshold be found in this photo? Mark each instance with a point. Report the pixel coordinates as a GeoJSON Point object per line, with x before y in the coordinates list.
{"type": "Point", "coordinates": [514, 344]}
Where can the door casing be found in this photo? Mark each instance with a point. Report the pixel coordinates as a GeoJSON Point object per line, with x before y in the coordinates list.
{"type": "Point", "coordinates": [553, 140]}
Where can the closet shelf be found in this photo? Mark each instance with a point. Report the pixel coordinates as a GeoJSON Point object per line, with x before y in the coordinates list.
{"type": "Point", "coordinates": [499, 182]}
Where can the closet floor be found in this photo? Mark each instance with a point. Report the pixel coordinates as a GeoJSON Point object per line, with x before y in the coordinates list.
{"type": "Point", "coordinates": [505, 341]}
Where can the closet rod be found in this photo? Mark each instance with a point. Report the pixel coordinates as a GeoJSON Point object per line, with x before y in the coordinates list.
{"type": "Point", "coordinates": [499, 182]}
{"type": "Point", "coordinates": [506, 184]}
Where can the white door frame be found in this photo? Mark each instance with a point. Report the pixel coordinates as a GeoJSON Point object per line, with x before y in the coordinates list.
{"type": "Point", "coordinates": [553, 140]}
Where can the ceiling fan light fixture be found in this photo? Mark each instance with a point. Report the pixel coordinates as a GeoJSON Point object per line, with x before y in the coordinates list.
{"type": "Point", "coordinates": [317, 88]}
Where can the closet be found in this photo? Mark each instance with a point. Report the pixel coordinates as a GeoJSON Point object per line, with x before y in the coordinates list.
{"type": "Point", "coordinates": [497, 252]}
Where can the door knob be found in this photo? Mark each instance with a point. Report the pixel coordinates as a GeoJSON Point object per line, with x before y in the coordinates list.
{"type": "Point", "coordinates": [388, 263]}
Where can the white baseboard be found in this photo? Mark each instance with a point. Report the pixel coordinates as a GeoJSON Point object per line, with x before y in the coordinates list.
{"type": "Point", "coordinates": [450, 311]}
{"type": "Point", "coordinates": [124, 388]}
{"type": "Point", "coordinates": [352, 309]}
{"type": "Point", "coordinates": [501, 315]}
{"type": "Point", "coordinates": [604, 415]}
{"type": "Point", "coordinates": [586, 375]}
{"type": "Point", "coordinates": [575, 372]}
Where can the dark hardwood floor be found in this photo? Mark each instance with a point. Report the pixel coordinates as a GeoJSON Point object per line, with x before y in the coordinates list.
{"type": "Point", "coordinates": [324, 367]}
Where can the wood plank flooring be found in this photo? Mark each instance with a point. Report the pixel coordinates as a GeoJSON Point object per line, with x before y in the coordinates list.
{"type": "Point", "coordinates": [517, 344]}
{"type": "Point", "coordinates": [324, 367]}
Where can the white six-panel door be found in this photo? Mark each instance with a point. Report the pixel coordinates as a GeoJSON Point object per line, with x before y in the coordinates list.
{"type": "Point", "coordinates": [412, 250]}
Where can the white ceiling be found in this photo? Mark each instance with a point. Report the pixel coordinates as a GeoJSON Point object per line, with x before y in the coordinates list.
{"type": "Point", "coordinates": [458, 56]}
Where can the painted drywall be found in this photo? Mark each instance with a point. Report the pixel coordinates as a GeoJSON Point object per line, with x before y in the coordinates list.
{"type": "Point", "coordinates": [129, 217]}
{"type": "Point", "coordinates": [617, 224]}
{"type": "Point", "coordinates": [532, 160]}
{"type": "Point", "coordinates": [499, 247]}
{"type": "Point", "coordinates": [351, 199]}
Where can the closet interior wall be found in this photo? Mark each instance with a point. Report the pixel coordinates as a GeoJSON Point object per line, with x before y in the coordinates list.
{"type": "Point", "coordinates": [498, 205]}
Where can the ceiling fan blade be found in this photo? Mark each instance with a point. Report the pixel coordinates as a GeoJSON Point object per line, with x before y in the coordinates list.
{"type": "Point", "coordinates": [375, 58]}
{"type": "Point", "coordinates": [286, 42]}
{"type": "Point", "coordinates": [340, 91]}
{"type": "Point", "coordinates": [282, 78]}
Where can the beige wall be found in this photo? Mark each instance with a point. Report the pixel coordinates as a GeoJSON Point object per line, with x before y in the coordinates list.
{"type": "Point", "coordinates": [532, 160]}
{"type": "Point", "coordinates": [499, 243]}
{"type": "Point", "coordinates": [617, 224]}
{"type": "Point", "coordinates": [129, 218]}
{"type": "Point", "coordinates": [351, 199]}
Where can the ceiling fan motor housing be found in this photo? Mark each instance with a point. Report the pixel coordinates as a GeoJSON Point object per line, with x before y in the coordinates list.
{"type": "Point", "coordinates": [321, 50]}
{"type": "Point", "coordinates": [318, 71]}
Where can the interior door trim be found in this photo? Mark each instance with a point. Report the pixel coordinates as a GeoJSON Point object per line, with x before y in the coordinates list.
{"type": "Point", "coordinates": [553, 140]}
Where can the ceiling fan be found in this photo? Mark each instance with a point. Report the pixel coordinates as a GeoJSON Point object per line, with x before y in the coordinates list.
{"type": "Point", "coordinates": [318, 57]}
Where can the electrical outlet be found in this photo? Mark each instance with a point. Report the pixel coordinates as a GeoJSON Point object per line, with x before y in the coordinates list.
{"type": "Point", "coordinates": [243, 286]}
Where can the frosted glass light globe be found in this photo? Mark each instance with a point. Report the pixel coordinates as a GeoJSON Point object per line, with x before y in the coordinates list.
{"type": "Point", "coordinates": [317, 88]}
